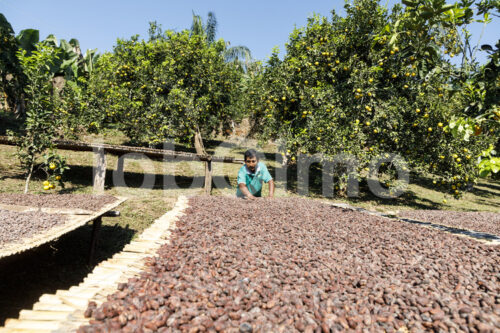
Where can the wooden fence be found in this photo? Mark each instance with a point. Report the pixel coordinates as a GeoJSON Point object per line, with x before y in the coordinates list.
{"type": "Point", "coordinates": [100, 151]}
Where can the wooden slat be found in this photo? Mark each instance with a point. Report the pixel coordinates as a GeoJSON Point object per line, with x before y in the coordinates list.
{"type": "Point", "coordinates": [79, 289]}
{"type": "Point", "coordinates": [101, 278]}
{"type": "Point", "coordinates": [50, 299]}
{"type": "Point", "coordinates": [38, 325]}
{"type": "Point", "coordinates": [22, 330]}
{"type": "Point", "coordinates": [140, 248]}
{"type": "Point", "coordinates": [41, 306]}
{"type": "Point", "coordinates": [43, 315]}
{"type": "Point", "coordinates": [129, 255]}
{"type": "Point", "coordinates": [122, 267]}
{"type": "Point", "coordinates": [208, 177]}
{"type": "Point", "coordinates": [79, 303]}
{"type": "Point", "coordinates": [146, 242]}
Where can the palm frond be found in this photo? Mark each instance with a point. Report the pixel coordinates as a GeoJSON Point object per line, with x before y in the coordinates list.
{"type": "Point", "coordinates": [211, 27]}
{"type": "Point", "coordinates": [197, 25]}
{"type": "Point", "coordinates": [238, 52]}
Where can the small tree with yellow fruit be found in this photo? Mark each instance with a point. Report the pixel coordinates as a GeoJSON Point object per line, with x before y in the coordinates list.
{"type": "Point", "coordinates": [40, 122]}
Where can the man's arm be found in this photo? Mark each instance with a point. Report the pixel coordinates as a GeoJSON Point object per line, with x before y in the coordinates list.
{"type": "Point", "coordinates": [245, 191]}
{"type": "Point", "coordinates": [271, 188]}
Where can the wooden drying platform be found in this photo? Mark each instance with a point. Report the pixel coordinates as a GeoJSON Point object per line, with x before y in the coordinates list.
{"type": "Point", "coordinates": [75, 218]}
{"type": "Point", "coordinates": [483, 237]}
{"type": "Point", "coordinates": [63, 311]}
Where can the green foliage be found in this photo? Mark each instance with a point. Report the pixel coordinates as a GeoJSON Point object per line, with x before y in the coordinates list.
{"type": "Point", "coordinates": [72, 105]}
{"type": "Point", "coordinates": [11, 77]}
{"type": "Point", "coordinates": [488, 163]}
{"type": "Point", "coordinates": [461, 128]}
{"type": "Point", "coordinates": [369, 83]}
{"type": "Point", "coordinates": [372, 82]}
{"type": "Point", "coordinates": [27, 40]}
{"type": "Point", "coordinates": [41, 121]}
{"type": "Point", "coordinates": [485, 84]}
{"type": "Point", "coordinates": [71, 63]}
{"type": "Point", "coordinates": [170, 87]}
{"type": "Point", "coordinates": [487, 6]}
{"type": "Point", "coordinates": [53, 166]}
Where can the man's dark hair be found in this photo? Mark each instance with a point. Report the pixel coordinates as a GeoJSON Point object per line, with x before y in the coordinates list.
{"type": "Point", "coordinates": [251, 153]}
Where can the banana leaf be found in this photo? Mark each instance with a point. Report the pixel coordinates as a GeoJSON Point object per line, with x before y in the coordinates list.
{"type": "Point", "coordinates": [27, 39]}
{"type": "Point", "coordinates": [51, 40]}
{"type": "Point", "coordinates": [74, 42]}
{"type": "Point", "coordinates": [67, 47]}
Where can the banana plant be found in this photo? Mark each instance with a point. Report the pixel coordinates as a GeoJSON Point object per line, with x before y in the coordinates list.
{"type": "Point", "coordinates": [27, 40]}
{"type": "Point", "coordinates": [69, 56]}
{"type": "Point", "coordinates": [88, 61]}
{"type": "Point", "coordinates": [72, 63]}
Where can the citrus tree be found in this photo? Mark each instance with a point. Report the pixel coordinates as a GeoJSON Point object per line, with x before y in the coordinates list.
{"type": "Point", "coordinates": [173, 86]}
{"type": "Point", "coordinates": [40, 122]}
{"type": "Point", "coordinates": [474, 86]}
{"type": "Point", "coordinates": [369, 83]}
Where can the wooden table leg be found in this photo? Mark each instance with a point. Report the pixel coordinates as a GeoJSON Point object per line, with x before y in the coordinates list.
{"type": "Point", "coordinates": [96, 228]}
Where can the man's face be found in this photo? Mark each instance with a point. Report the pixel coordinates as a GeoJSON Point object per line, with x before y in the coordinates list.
{"type": "Point", "coordinates": [251, 163]}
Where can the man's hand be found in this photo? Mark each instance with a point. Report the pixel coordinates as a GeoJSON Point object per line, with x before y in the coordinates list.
{"type": "Point", "coordinates": [245, 191]}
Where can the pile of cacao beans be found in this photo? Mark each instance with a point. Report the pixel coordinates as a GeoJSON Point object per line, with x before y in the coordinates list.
{"type": "Point", "coordinates": [297, 265]}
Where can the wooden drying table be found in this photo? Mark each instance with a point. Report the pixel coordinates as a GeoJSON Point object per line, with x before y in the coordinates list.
{"type": "Point", "coordinates": [75, 218]}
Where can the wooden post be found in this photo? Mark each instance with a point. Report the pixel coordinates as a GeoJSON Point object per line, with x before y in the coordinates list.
{"type": "Point", "coordinates": [120, 165]}
{"type": "Point", "coordinates": [99, 171]}
{"type": "Point", "coordinates": [96, 228]}
{"type": "Point", "coordinates": [208, 177]}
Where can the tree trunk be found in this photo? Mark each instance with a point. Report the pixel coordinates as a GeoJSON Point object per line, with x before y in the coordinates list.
{"type": "Point", "coordinates": [198, 144]}
{"type": "Point", "coordinates": [26, 186]}
{"type": "Point", "coordinates": [200, 150]}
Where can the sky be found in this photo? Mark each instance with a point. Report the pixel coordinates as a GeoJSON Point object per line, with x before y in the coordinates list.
{"type": "Point", "coordinates": [259, 25]}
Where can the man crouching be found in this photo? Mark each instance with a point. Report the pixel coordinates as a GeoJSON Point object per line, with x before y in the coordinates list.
{"type": "Point", "coordinates": [251, 176]}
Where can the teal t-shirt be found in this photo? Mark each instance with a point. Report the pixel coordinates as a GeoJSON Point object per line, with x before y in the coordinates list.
{"type": "Point", "coordinates": [253, 181]}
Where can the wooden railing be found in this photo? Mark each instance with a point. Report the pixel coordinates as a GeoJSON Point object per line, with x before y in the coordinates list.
{"type": "Point", "coordinates": [100, 151]}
